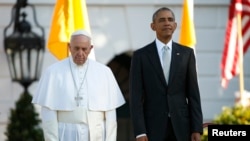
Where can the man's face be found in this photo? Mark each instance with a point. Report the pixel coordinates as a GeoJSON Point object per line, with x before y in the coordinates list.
{"type": "Point", "coordinates": [80, 47]}
{"type": "Point", "coordinates": [164, 25]}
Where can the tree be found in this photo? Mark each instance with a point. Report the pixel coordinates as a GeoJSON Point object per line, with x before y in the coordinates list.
{"type": "Point", "coordinates": [24, 121]}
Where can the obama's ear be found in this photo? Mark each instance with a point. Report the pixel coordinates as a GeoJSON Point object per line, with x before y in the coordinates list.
{"type": "Point", "coordinates": [152, 26]}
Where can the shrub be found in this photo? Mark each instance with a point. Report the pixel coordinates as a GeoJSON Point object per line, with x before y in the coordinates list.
{"type": "Point", "coordinates": [230, 115]}
{"type": "Point", "coordinates": [24, 121]}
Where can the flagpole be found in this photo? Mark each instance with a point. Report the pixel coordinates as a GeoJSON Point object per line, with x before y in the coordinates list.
{"type": "Point", "coordinates": [240, 41]}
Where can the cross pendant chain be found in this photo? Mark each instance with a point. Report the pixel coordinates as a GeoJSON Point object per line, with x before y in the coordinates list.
{"type": "Point", "coordinates": [78, 98]}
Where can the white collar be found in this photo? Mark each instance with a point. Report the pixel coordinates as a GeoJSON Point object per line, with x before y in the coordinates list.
{"type": "Point", "coordinates": [159, 45]}
{"type": "Point", "coordinates": [74, 65]}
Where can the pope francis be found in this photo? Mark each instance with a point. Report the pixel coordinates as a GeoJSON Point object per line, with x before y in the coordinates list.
{"type": "Point", "coordinates": [78, 96]}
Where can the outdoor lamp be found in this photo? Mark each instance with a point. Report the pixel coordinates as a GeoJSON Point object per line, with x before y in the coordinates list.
{"type": "Point", "coordinates": [23, 47]}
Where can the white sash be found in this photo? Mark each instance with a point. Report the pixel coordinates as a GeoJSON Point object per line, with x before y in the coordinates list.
{"type": "Point", "coordinates": [79, 115]}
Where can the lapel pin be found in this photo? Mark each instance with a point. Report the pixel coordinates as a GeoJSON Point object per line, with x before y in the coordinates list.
{"type": "Point", "coordinates": [178, 53]}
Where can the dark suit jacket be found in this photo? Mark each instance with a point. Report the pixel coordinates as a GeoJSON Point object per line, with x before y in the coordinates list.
{"type": "Point", "coordinates": [152, 99]}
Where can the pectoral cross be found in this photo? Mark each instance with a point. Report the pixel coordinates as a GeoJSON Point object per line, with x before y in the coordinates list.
{"type": "Point", "coordinates": [78, 98]}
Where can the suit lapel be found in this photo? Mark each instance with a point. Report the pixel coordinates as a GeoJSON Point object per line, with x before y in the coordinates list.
{"type": "Point", "coordinates": [154, 59]}
{"type": "Point", "coordinates": [175, 61]}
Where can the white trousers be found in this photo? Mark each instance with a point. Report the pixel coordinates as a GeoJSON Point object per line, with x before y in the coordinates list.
{"type": "Point", "coordinates": [100, 126]}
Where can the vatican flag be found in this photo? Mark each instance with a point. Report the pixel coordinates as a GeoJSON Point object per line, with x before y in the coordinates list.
{"type": "Point", "coordinates": [68, 16]}
{"type": "Point", "coordinates": [187, 31]}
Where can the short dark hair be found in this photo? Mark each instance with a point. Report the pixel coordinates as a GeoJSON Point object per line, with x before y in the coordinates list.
{"type": "Point", "coordinates": [162, 9]}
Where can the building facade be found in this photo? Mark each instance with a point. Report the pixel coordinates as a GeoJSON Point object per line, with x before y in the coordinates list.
{"type": "Point", "coordinates": [121, 26]}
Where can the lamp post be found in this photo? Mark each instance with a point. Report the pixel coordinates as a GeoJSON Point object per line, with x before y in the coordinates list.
{"type": "Point", "coordinates": [24, 51]}
{"type": "Point", "coordinates": [23, 47]}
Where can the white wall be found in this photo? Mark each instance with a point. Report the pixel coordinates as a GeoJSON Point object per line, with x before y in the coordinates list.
{"type": "Point", "coordinates": [122, 25]}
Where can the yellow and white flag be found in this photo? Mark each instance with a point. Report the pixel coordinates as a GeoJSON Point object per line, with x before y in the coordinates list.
{"type": "Point", "coordinates": [68, 16]}
{"type": "Point", "coordinates": [187, 31]}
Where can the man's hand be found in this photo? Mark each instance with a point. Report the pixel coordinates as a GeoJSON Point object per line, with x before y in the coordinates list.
{"type": "Point", "coordinates": [143, 138]}
{"type": "Point", "coordinates": [196, 137]}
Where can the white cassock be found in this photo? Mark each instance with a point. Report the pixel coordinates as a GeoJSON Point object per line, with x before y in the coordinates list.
{"type": "Point", "coordinates": [78, 102]}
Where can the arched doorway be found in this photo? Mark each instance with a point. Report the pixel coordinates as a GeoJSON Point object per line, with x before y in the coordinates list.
{"type": "Point", "coordinates": [120, 66]}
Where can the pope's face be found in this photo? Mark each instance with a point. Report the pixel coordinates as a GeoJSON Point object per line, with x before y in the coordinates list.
{"type": "Point", "coordinates": [80, 47]}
